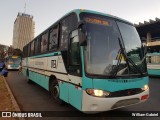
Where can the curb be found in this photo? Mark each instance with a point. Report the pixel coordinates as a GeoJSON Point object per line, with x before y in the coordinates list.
{"type": "Point", "coordinates": [15, 104]}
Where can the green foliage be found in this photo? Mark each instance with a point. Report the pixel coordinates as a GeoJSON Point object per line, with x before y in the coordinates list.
{"type": "Point", "coordinates": [17, 52]}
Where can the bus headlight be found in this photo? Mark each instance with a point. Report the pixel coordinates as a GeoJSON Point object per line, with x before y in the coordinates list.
{"type": "Point", "coordinates": [145, 87]}
{"type": "Point", "coordinates": [97, 93]}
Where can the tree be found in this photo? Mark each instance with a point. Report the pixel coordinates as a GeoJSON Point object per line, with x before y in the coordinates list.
{"type": "Point", "coordinates": [17, 52]}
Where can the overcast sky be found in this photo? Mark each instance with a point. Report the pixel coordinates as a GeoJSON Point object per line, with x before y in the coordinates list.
{"type": "Point", "coordinates": [46, 12]}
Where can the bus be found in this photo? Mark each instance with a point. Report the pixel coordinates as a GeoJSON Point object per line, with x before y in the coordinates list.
{"type": "Point", "coordinates": [153, 60]}
{"type": "Point", "coordinates": [13, 62]}
{"type": "Point", "coordinates": [90, 60]}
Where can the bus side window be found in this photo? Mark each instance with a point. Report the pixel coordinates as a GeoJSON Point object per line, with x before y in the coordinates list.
{"type": "Point", "coordinates": [32, 48]}
{"type": "Point", "coordinates": [38, 45]}
{"type": "Point", "coordinates": [29, 46]}
{"type": "Point", "coordinates": [44, 42]}
{"type": "Point", "coordinates": [74, 59]}
{"type": "Point", "coordinates": [67, 25]}
{"type": "Point", "coordinates": [53, 38]}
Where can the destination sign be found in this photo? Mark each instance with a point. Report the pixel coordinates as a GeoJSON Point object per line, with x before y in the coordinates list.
{"type": "Point", "coordinates": [96, 21]}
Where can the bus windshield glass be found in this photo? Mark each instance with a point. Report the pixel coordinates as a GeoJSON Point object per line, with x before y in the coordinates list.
{"type": "Point", "coordinates": [103, 51]}
{"type": "Point", "coordinates": [14, 60]}
{"type": "Point", "coordinates": [133, 46]}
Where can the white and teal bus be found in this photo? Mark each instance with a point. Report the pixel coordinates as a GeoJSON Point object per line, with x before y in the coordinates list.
{"type": "Point", "coordinates": [13, 62]}
{"type": "Point", "coordinates": [153, 60]}
{"type": "Point", "coordinates": [91, 60]}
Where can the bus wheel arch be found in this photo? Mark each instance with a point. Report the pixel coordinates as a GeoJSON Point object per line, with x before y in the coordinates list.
{"type": "Point", "coordinates": [54, 89]}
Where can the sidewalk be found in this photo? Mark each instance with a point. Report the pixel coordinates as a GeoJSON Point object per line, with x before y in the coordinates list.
{"type": "Point", "coordinates": [7, 100]}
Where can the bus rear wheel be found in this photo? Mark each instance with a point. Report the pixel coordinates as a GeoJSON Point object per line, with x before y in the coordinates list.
{"type": "Point", "coordinates": [55, 92]}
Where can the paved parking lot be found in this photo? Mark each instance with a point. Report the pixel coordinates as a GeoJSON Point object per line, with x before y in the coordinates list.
{"type": "Point", "coordinates": [32, 97]}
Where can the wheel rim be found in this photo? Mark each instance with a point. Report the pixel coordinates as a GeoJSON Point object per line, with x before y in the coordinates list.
{"type": "Point", "coordinates": [55, 92]}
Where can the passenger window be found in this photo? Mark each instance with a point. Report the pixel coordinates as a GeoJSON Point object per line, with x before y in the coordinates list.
{"type": "Point", "coordinates": [44, 42]}
{"type": "Point", "coordinates": [75, 51]}
{"type": "Point", "coordinates": [37, 45]}
{"type": "Point", "coordinates": [29, 49]}
{"type": "Point", "coordinates": [53, 38]}
{"type": "Point", "coordinates": [67, 25]}
{"type": "Point", "coordinates": [32, 48]}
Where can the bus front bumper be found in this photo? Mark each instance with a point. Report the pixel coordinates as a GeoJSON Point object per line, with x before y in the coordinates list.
{"type": "Point", "coordinates": [12, 67]}
{"type": "Point", "coordinates": [96, 104]}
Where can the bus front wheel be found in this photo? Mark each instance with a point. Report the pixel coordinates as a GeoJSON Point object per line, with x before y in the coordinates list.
{"type": "Point", "coordinates": [55, 92]}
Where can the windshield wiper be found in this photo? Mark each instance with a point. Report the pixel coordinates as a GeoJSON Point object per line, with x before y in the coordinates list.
{"type": "Point", "coordinates": [128, 60]}
{"type": "Point", "coordinates": [135, 66]}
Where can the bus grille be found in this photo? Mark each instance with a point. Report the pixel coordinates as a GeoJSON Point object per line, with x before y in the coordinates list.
{"type": "Point", "coordinates": [123, 103]}
{"type": "Point", "coordinates": [127, 92]}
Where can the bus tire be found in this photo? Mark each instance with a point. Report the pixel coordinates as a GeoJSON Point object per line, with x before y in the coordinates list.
{"type": "Point", "coordinates": [55, 92]}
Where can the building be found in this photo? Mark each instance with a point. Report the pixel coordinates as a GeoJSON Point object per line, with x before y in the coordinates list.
{"type": "Point", "coordinates": [23, 31]}
{"type": "Point", "coordinates": [151, 31]}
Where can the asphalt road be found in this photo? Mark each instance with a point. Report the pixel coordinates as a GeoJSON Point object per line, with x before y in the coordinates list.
{"type": "Point", "coordinates": [32, 97]}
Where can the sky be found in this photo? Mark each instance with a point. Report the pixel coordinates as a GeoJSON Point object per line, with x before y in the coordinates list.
{"type": "Point", "coordinates": [46, 12]}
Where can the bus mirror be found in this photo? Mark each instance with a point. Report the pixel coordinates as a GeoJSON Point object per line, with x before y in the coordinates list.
{"type": "Point", "coordinates": [82, 38]}
{"type": "Point", "coordinates": [80, 24]}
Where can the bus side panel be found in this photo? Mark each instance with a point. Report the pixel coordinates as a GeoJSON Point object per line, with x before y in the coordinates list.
{"type": "Point", "coordinates": [119, 84]}
{"type": "Point", "coordinates": [40, 79]}
{"type": "Point", "coordinates": [63, 86]}
{"type": "Point", "coordinates": [75, 96]}
{"type": "Point", "coordinates": [24, 72]}
{"type": "Point", "coordinates": [86, 82]}
{"type": "Point", "coordinates": [24, 67]}
{"type": "Point", "coordinates": [154, 72]}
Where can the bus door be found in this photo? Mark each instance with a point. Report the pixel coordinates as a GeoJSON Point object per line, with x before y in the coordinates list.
{"type": "Point", "coordinates": [74, 70]}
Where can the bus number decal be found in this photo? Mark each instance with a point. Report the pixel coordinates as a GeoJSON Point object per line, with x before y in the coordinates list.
{"type": "Point", "coordinates": [53, 64]}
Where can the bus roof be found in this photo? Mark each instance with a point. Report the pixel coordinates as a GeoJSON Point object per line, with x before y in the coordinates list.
{"type": "Point", "coordinates": [78, 11]}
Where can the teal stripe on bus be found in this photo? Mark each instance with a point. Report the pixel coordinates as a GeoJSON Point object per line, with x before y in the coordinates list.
{"type": "Point", "coordinates": [46, 55]}
{"type": "Point", "coordinates": [86, 82]}
{"type": "Point", "coordinates": [75, 96]}
{"type": "Point", "coordinates": [71, 94]}
{"type": "Point", "coordinates": [40, 79]}
{"type": "Point", "coordinates": [153, 71]}
{"type": "Point", "coordinates": [63, 86]}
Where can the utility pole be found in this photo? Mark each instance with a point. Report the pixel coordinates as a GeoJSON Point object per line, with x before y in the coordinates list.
{"type": "Point", "coordinates": [25, 7]}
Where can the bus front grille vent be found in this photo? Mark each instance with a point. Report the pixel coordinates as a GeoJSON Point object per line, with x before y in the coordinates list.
{"type": "Point", "coordinates": [126, 92]}
{"type": "Point", "coordinates": [123, 103]}
{"type": "Point", "coordinates": [123, 81]}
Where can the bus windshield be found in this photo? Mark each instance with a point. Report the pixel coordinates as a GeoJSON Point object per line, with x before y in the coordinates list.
{"type": "Point", "coordinates": [103, 48]}
{"type": "Point", "coordinates": [14, 60]}
{"type": "Point", "coordinates": [133, 46]}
